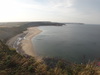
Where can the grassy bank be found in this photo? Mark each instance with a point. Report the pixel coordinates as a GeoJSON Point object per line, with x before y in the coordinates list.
{"type": "Point", "coordinates": [12, 63]}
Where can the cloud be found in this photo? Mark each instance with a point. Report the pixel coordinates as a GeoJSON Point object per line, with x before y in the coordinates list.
{"type": "Point", "coordinates": [48, 4]}
{"type": "Point", "coordinates": [54, 10]}
{"type": "Point", "coordinates": [45, 9]}
{"type": "Point", "coordinates": [61, 3]}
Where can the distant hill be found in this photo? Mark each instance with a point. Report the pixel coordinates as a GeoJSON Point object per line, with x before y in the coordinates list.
{"type": "Point", "coordinates": [8, 30]}
{"type": "Point", "coordinates": [76, 23]}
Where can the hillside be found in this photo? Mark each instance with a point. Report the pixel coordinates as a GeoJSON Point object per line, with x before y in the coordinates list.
{"type": "Point", "coordinates": [8, 30]}
{"type": "Point", "coordinates": [12, 63]}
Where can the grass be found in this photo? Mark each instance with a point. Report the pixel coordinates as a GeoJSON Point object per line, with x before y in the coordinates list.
{"type": "Point", "coordinates": [11, 63]}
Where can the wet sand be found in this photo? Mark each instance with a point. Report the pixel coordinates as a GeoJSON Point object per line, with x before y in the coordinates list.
{"type": "Point", "coordinates": [23, 42]}
{"type": "Point", "coordinates": [26, 44]}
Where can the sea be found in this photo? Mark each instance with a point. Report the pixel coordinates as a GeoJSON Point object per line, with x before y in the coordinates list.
{"type": "Point", "coordinates": [78, 43]}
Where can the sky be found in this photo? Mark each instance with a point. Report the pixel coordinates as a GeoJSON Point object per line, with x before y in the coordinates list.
{"type": "Point", "coordinates": [84, 11]}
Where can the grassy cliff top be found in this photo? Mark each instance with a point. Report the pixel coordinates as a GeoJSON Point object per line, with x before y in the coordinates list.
{"type": "Point", "coordinates": [11, 63]}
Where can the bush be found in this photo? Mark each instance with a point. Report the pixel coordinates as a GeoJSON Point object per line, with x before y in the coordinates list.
{"type": "Point", "coordinates": [31, 69]}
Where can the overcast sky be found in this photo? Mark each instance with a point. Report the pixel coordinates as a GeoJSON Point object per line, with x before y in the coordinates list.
{"type": "Point", "coordinates": [86, 11]}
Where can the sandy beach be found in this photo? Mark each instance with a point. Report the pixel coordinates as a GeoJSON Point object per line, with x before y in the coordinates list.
{"type": "Point", "coordinates": [26, 43]}
{"type": "Point", "coordinates": [23, 42]}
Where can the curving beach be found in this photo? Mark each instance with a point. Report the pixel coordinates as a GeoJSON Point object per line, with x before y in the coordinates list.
{"type": "Point", "coordinates": [23, 43]}
{"type": "Point", "coordinates": [26, 43]}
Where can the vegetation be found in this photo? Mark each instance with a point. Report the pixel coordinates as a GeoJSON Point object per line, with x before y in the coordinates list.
{"type": "Point", "coordinates": [12, 63]}
{"type": "Point", "coordinates": [11, 29]}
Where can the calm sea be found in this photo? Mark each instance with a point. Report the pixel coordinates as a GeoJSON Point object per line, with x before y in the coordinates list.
{"type": "Point", "coordinates": [76, 43]}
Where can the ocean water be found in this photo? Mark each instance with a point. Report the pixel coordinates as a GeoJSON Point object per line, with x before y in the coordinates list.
{"type": "Point", "coordinates": [75, 43]}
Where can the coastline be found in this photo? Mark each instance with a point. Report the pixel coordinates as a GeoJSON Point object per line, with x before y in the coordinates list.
{"type": "Point", "coordinates": [26, 44]}
{"type": "Point", "coordinates": [23, 42]}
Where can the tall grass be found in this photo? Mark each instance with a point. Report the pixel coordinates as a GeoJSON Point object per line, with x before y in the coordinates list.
{"type": "Point", "coordinates": [12, 63]}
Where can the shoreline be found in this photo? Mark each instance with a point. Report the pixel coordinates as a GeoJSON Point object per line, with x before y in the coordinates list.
{"type": "Point", "coordinates": [26, 43]}
{"type": "Point", "coordinates": [23, 42]}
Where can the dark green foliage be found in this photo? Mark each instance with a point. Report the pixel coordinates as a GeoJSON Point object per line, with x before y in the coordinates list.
{"type": "Point", "coordinates": [31, 68]}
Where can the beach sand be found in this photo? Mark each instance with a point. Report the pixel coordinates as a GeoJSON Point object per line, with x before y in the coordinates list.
{"type": "Point", "coordinates": [24, 46]}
